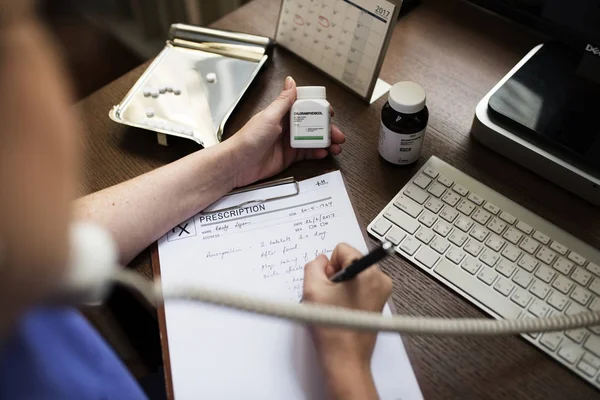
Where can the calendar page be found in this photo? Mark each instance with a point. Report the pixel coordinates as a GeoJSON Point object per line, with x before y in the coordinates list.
{"type": "Point", "coordinates": [346, 39]}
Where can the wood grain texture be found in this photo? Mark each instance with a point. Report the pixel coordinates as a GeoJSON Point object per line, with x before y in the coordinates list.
{"type": "Point", "coordinates": [458, 53]}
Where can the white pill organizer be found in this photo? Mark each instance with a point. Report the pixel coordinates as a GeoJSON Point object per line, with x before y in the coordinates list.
{"type": "Point", "coordinates": [193, 85]}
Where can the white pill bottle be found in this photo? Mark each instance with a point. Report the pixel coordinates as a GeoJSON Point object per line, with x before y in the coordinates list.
{"type": "Point", "coordinates": [309, 119]}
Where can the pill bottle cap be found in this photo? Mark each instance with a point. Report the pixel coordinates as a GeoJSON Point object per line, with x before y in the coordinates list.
{"type": "Point", "coordinates": [407, 97]}
{"type": "Point", "coordinates": [310, 92]}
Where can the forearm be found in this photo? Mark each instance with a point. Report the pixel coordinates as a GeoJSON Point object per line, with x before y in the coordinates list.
{"type": "Point", "coordinates": [346, 381]}
{"type": "Point", "coordinates": [141, 210]}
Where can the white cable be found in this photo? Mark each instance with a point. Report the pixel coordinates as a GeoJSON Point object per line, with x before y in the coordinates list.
{"type": "Point", "coordinates": [352, 319]}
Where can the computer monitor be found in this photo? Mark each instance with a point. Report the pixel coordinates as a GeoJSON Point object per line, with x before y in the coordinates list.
{"type": "Point", "coordinates": [573, 22]}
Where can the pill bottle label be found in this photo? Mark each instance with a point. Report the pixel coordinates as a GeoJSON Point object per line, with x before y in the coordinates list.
{"type": "Point", "coordinates": [398, 148]}
{"type": "Point", "coordinates": [309, 125]}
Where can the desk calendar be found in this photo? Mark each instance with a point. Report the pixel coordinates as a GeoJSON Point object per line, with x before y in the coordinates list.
{"type": "Point", "coordinates": [347, 39]}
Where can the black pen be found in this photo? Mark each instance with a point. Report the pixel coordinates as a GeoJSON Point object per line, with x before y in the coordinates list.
{"type": "Point", "coordinates": [360, 265]}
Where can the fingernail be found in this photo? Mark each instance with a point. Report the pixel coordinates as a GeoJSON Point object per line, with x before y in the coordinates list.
{"type": "Point", "coordinates": [288, 83]}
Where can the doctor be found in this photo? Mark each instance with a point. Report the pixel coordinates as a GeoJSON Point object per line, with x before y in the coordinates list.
{"type": "Point", "coordinates": [49, 353]}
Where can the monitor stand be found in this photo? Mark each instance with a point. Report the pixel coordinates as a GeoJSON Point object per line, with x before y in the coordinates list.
{"type": "Point", "coordinates": [518, 144]}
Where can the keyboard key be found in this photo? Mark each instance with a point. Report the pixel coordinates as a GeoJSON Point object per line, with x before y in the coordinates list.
{"type": "Point", "coordinates": [507, 217]}
{"type": "Point", "coordinates": [497, 226]}
{"type": "Point", "coordinates": [592, 344]}
{"type": "Point", "coordinates": [422, 181]}
{"type": "Point", "coordinates": [540, 237]}
{"type": "Point", "coordinates": [432, 173]}
{"type": "Point", "coordinates": [381, 226]}
{"type": "Point", "coordinates": [505, 267]}
{"type": "Point", "coordinates": [460, 190]}
{"type": "Point", "coordinates": [558, 300]}
{"type": "Point", "coordinates": [575, 308]}
{"type": "Point", "coordinates": [487, 276]}
{"type": "Point", "coordinates": [591, 359]}
{"type": "Point", "coordinates": [427, 256]}
{"type": "Point", "coordinates": [442, 228]}
{"type": "Point", "coordinates": [577, 335]}
{"type": "Point", "coordinates": [546, 274]}
{"type": "Point", "coordinates": [594, 268]}
{"type": "Point", "coordinates": [523, 227]}
{"type": "Point", "coordinates": [581, 295]}
{"type": "Point", "coordinates": [395, 236]}
{"type": "Point", "coordinates": [402, 220]}
{"type": "Point", "coordinates": [425, 235]}
{"type": "Point", "coordinates": [491, 299]}
{"type": "Point", "coordinates": [466, 207]}
{"type": "Point", "coordinates": [410, 245]}
{"type": "Point", "coordinates": [595, 305]}
{"type": "Point", "coordinates": [458, 238]}
{"type": "Point", "coordinates": [559, 248]}
{"type": "Point", "coordinates": [449, 214]}
{"type": "Point", "coordinates": [455, 255]}
{"type": "Point", "coordinates": [546, 255]}
{"type": "Point", "coordinates": [529, 245]}
{"type": "Point", "coordinates": [434, 205]}
{"type": "Point", "coordinates": [489, 257]}
{"type": "Point", "coordinates": [581, 276]}
{"type": "Point", "coordinates": [576, 258]}
{"type": "Point", "coordinates": [450, 198]}
{"type": "Point", "coordinates": [522, 279]}
{"type": "Point", "coordinates": [437, 189]}
{"type": "Point", "coordinates": [440, 245]}
{"type": "Point", "coordinates": [475, 199]}
{"type": "Point", "coordinates": [595, 286]}
{"type": "Point", "coordinates": [539, 289]}
{"type": "Point", "coordinates": [471, 265]}
{"type": "Point", "coordinates": [427, 218]}
{"type": "Point", "coordinates": [587, 369]}
{"type": "Point", "coordinates": [563, 266]}
{"type": "Point", "coordinates": [444, 180]}
{"type": "Point", "coordinates": [416, 194]}
{"type": "Point", "coordinates": [521, 297]}
{"type": "Point", "coordinates": [463, 223]}
{"type": "Point", "coordinates": [473, 247]}
{"type": "Point", "coordinates": [570, 352]}
{"type": "Point", "coordinates": [563, 284]}
{"type": "Point", "coordinates": [408, 206]}
{"type": "Point", "coordinates": [504, 287]}
{"type": "Point", "coordinates": [479, 233]}
{"type": "Point", "coordinates": [495, 243]}
{"type": "Point", "coordinates": [491, 208]}
{"type": "Point", "coordinates": [511, 252]}
{"type": "Point", "coordinates": [539, 308]}
{"type": "Point", "coordinates": [528, 263]}
{"type": "Point", "coordinates": [512, 235]}
{"type": "Point", "coordinates": [551, 340]}
{"type": "Point", "coordinates": [481, 216]}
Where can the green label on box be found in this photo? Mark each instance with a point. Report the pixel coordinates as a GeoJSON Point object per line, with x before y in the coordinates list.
{"type": "Point", "coordinates": [308, 137]}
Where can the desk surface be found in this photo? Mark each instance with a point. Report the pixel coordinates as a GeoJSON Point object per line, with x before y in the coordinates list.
{"type": "Point", "coordinates": [457, 52]}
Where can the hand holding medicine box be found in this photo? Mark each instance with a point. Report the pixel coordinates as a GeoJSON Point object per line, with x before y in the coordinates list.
{"type": "Point", "coordinates": [309, 119]}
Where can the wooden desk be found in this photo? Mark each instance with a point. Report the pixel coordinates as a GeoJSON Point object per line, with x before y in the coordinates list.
{"type": "Point", "coordinates": [457, 52]}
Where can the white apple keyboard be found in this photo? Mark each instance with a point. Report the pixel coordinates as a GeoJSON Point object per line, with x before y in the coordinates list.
{"type": "Point", "coordinates": [498, 255]}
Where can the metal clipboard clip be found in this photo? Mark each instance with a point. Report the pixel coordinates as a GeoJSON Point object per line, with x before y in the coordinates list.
{"type": "Point", "coordinates": [258, 186]}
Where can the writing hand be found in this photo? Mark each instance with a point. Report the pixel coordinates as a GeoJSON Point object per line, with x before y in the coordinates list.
{"type": "Point", "coordinates": [262, 147]}
{"type": "Point", "coordinates": [346, 355]}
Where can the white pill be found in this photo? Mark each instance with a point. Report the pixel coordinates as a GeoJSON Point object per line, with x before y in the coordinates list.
{"type": "Point", "coordinates": [147, 92]}
{"type": "Point", "coordinates": [162, 89]}
{"type": "Point", "coordinates": [149, 112]}
{"type": "Point", "coordinates": [154, 94]}
{"type": "Point", "coordinates": [176, 91]}
{"type": "Point", "coordinates": [170, 89]}
{"type": "Point", "coordinates": [211, 77]}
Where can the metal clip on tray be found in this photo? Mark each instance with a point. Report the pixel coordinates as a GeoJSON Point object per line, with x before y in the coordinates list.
{"type": "Point", "coordinates": [193, 85]}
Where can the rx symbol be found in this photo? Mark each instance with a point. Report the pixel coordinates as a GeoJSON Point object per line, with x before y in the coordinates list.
{"type": "Point", "coordinates": [182, 229]}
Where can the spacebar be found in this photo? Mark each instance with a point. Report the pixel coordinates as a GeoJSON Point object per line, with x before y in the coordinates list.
{"type": "Point", "coordinates": [478, 290]}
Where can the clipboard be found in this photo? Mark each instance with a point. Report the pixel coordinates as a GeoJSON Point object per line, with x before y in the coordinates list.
{"type": "Point", "coordinates": [156, 269]}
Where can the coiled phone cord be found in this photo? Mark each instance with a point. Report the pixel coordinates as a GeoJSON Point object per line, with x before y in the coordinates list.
{"type": "Point", "coordinates": [311, 313]}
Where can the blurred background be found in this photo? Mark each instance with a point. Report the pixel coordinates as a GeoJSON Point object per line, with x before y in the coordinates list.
{"type": "Point", "coordinates": [103, 39]}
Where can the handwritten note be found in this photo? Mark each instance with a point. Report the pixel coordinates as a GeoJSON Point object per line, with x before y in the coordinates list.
{"type": "Point", "coordinates": [261, 250]}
